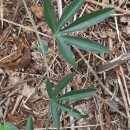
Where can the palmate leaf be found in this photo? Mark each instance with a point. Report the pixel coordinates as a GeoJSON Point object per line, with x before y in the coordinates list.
{"type": "Point", "coordinates": [49, 88]}
{"type": "Point", "coordinates": [66, 51]}
{"type": "Point", "coordinates": [73, 112]}
{"type": "Point", "coordinates": [62, 83]}
{"type": "Point", "coordinates": [69, 12]}
{"type": "Point", "coordinates": [88, 20]}
{"type": "Point", "coordinates": [29, 125]}
{"type": "Point", "coordinates": [85, 44]}
{"type": "Point", "coordinates": [50, 15]}
{"type": "Point", "coordinates": [77, 94]}
{"type": "Point", "coordinates": [55, 116]}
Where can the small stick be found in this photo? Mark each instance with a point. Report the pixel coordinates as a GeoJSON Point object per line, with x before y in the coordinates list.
{"type": "Point", "coordinates": [97, 78]}
{"type": "Point", "coordinates": [59, 4]}
{"type": "Point", "coordinates": [114, 63]}
{"type": "Point", "coordinates": [24, 27]}
{"type": "Point", "coordinates": [1, 12]}
{"type": "Point", "coordinates": [118, 9]}
{"type": "Point", "coordinates": [122, 114]}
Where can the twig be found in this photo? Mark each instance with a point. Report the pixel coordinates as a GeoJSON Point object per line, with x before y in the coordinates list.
{"type": "Point", "coordinates": [116, 24]}
{"type": "Point", "coordinates": [98, 79]}
{"type": "Point", "coordinates": [122, 114]}
{"type": "Point", "coordinates": [21, 82]}
{"type": "Point", "coordinates": [2, 79]}
{"type": "Point", "coordinates": [124, 98]}
{"type": "Point", "coordinates": [82, 126]}
{"type": "Point", "coordinates": [99, 115]}
{"type": "Point", "coordinates": [127, 94]}
{"type": "Point", "coordinates": [59, 4]}
{"type": "Point", "coordinates": [118, 9]}
{"type": "Point", "coordinates": [24, 102]}
{"type": "Point", "coordinates": [17, 102]}
{"type": "Point", "coordinates": [24, 27]}
{"type": "Point", "coordinates": [6, 110]}
{"type": "Point", "coordinates": [125, 85]}
{"type": "Point", "coordinates": [8, 56]}
{"type": "Point", "coordinates": [7, 30]}
{"type": "Point", "coordinates": [1, 12]}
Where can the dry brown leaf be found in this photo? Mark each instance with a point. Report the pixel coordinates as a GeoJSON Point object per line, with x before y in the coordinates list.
{"type": "Point", "coordinates": [105, 1]}
{"type": "Point", "coordinates": [42, 88]}
{"type": "Point", "coordinates": [15, 54]}
{"type": "Point", "coordinates": [15, 119]}
{"type": "Point", "coordinates": [37, 10]}
{"type": "Point", "coordinates": [117, 48]}
{"type": "Point", "coordinates": [27, 90]}
{"type": "Point", "coordinates": [13, 79]}
{"type": "Point", "coordinates": [128, 30]}
{"type": "Point", "coordinates": [111, 34]}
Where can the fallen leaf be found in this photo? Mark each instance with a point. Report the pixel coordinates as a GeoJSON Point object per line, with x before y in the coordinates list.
{"type": "Point", "coordinates": [37, 10]}
{"type": "Point", "coordinates": [27, 90]}
{"type": "Point", "coordinates": [110, 34]}
{"type": "Point", "coordinates": [15, 54]}
{"type": "Point", "coordinates": [15, 119]}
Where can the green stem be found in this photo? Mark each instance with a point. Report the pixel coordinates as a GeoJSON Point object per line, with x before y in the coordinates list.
{"type": "Point", "coordinates": [38, 37]}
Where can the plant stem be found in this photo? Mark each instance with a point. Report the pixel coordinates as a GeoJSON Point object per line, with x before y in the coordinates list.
{"type": "Point", "coordinates": [38, 37]}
